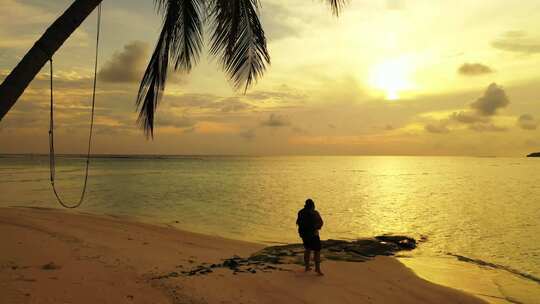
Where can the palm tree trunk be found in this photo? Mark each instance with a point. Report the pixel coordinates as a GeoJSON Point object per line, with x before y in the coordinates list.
{"type": "Point", "coordinates": [21, 76]}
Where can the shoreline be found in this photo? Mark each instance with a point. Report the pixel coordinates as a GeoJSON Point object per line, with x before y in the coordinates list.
{"type": "Point", "coordinates": [52, 256]}
{"type": "Point", "coordinates": [496, 286]}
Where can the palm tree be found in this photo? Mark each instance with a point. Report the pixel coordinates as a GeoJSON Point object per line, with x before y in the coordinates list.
{"type": "Point", "coordinates": [237, 39]}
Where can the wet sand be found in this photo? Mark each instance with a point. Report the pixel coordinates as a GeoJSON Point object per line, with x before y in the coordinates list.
{"type": "Point", "coordinates": [53, 256]}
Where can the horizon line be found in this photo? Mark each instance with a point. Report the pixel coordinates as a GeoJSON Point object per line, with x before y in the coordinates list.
{"type": "Point", "coordinates": [143, 155]}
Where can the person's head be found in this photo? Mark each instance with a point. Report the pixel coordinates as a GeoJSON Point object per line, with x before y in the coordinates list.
{"type": "Point", "coordinates": [310, 204]}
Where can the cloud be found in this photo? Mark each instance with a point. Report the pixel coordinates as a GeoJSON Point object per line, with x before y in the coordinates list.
{"type": "Point", "coordinates": [119, 126]}
{"type": "Point", "coordinates": [517, 41]}
{"type": "Point", "coordinates": [277, 22]}
{"type": "Point", "coordinates": [282, 94]}
{"type": "Point", "coordinates": [21, 121]}
{"type": "Point", "coordinates": [494, 98]}
{"type": "Point", "coordinates": [232, 105]}
{"type": "Point", "coordinates": [467, 117]}
{"type": "Point", "coordinates": [16, 11]}
{"type": "Point", "coordinates": [209, 102]}
{"type": "Point", "coordinates": [527, 122]}
{"type": "Point", "coordinates": [127, 65]}
{"type": "Point", "coordinates": [192, 100]}
{"type": "Point", "coordinates": [486, 127]}
{"type": "Point", "coordinates": [478, 119]}
{"type": "Point", "coordinates": [276, 121]}
{"type": "Point", "coordinates": [23, 21]}
{"type": "Point", "coordinates": [175, 121]}
{"type": "Point", "coordinates": [437, 128]}
{"type": "Point", "coordinates": [442, 126]}
{"type": "Point", "coordinates": [474, 69]}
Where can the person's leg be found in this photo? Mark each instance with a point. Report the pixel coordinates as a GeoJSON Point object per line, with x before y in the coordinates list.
{"type": "Point", "coordinates": [317, 258]}
{"type": "Point", "coordinates": [307, 255]}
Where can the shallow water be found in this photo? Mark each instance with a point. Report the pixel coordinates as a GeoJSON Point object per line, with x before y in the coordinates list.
{"type": "Point", "coordinates": [484, 209]}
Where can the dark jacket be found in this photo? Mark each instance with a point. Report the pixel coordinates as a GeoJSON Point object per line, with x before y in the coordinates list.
{"type": "Point", "coordinates": [309, 221]}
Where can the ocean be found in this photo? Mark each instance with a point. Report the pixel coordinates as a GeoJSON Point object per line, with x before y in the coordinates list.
{"type": "Point", "coordinates": [479, 213]}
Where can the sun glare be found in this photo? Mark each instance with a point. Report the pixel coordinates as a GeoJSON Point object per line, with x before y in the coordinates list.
{"type": "Point", "coordinates": [391, 76]}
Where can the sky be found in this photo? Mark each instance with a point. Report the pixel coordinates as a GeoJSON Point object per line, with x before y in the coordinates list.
{"type": "Point", "coordinates": [388, 77]}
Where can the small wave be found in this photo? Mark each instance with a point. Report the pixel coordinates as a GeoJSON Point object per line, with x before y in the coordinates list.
{"type": "Point", "coordinates": [496, 266]}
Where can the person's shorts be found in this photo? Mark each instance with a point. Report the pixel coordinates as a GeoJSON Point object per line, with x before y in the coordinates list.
{"type": "Point", "coordinates": [312, 243]}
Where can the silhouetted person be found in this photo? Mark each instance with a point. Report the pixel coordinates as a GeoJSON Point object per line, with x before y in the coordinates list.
{"type": "Point", "coordinates": [309, 222]}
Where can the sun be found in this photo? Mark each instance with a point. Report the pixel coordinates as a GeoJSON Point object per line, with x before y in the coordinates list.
{"type": "Point", "coordinates": [391, 76]}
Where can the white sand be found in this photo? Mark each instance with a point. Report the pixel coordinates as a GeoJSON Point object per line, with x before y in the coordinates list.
{"type": "Point", "coordinates": [101, 259]}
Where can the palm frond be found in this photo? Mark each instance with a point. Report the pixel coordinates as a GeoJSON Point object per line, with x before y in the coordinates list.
{"type": "Point", "coordinates": [337, 5]}
{"type": "Point", "coordinates": [238, 40]}
{"type": "Point", "coordinates": [153, 83]}
{"type": "Point", "coordinates": [180, 40]}
{"type": "Point", "coordinates": [188, 34]}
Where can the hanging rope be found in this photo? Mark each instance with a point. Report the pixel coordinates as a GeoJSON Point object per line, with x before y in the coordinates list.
{"type": "Point", "coordinates": [52, 157]}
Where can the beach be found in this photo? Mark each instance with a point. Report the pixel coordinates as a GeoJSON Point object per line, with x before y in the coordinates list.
{"type": "Point", "coordinates": [482, 243]}
{"type": "Point", "coordinates": [193, 151]}
{"type": "Point", "coordinates": [53, 256]}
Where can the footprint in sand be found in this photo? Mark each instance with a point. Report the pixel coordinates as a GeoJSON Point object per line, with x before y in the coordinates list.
{"type": "Point", "coordinates": [51, 266]}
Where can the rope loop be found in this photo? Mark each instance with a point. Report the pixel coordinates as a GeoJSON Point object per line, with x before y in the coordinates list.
{"type": "Point", "coordinates": [52, 156]}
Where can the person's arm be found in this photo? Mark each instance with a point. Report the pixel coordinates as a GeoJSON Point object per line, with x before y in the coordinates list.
{"type": "Point", "coordinates": [319, 221]}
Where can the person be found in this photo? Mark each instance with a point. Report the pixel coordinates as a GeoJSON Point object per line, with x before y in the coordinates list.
{"type": "Point", "coordinates": [309, 223]}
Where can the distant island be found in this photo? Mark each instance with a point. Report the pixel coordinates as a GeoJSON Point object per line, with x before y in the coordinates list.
{"type": "Point", "coordinates": [535, 154]}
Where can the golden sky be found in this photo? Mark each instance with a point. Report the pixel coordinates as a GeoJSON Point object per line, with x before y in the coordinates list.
{"type": "Point", "coordinates": [387, 77]}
